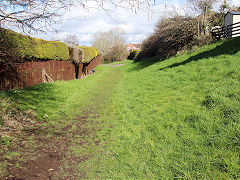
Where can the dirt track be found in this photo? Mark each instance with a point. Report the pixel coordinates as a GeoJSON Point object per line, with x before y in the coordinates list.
{"type": "Point", "coordinates": [49, 154]}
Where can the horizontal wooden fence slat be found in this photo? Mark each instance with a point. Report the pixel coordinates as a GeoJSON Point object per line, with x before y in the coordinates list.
{"type": "Point", "coordinates": [228, 31]}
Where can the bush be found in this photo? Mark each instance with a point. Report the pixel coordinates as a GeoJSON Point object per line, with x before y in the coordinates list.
{"type": "Point", "coordinates": [76, 54]}
{"type": "Point", "coordinates": [133, 54]}
{"type": "Point", "coordinates": [89, 53]}
{"type": "Point", "coordinates": [170, 36]}
{"type": "Point", "coordinates": [15, 47]}
{"type": "Point", "coordinates": [203, 40]}
{"type": "Point", "coordinates": [118, 52]}
{"type": "Point", "coordinates": [111, 44]}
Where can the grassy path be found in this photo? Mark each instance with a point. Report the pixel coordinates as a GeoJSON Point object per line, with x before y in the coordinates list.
{"type": "Point", "coordinates": [173, 119]}
{"type": "Point", "coordinates": [66, 139]}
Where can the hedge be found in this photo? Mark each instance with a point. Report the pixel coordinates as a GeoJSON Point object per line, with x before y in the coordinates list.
{"type": "Point", "coordinates": [89, 53]}
{"type": "Point", "coordinates": [76, 54]}
{"type": "Point", "coordinates": [133, 54]}
{"type": "Point", "coordinates": [17, 45]}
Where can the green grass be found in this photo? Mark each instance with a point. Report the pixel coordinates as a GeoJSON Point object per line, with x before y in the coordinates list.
{"type": "Point", "coordinates": [120, 62]}
{"type": "Point", "coordinates": [178, 118]}
{"type": "Point", "coordinates": [173, 119]}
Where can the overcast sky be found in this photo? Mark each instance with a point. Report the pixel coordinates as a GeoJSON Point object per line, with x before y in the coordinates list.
{"type": "Point", "coordinates": [137, 26]}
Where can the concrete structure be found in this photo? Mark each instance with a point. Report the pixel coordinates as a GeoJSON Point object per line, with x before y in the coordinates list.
{"type": "Point", "coordinates": [232, 18]}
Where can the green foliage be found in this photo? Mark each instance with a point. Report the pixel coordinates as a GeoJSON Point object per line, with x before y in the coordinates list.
{"type": "Point", "coordinates": [17, 45]}
{"type": "Point", "coordinates": [133, 54]}
{"type": "Point", "coordinates": [174, 119]}
{"type": "Point", "coordinates": [5, 140]}
{"type": "Point", "coordinates": [89, 53]}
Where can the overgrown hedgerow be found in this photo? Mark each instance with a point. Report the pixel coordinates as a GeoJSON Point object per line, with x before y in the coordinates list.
{"type": "Point", "coordinates": [15, 47]}
{"type": "Point", "coordinates": [133, 54]}
{"type": "Point", "coordinates": [89, 53]}
{"type": "Point", "coordinates": [172, 35]}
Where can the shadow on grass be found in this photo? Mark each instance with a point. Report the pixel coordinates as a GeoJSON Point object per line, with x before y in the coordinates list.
{"type": "Point", "coordinates": [229, 47]}
{"type": "Point", "coordinates": [38, 98]}
{"type": "Point", "coordinates": [145, 62]}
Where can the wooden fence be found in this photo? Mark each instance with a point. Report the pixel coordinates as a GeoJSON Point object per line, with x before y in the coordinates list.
{"type": "Point", "coordinates": [229, 31]}
{"type": "Point", "coordinates": [22, 75]}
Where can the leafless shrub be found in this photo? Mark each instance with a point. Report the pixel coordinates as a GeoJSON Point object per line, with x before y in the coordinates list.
{"type": "Point", "coordinates": [118, 52]}
{"type": "Point", "coordinates": [71, 40]}
{"type": "Point", "coordinates": [170, 36]}
{"type": "Point", "coordinates": [39, 15]}
{"type": "Point", "coordinates": [76, 54]}
{"type": "Point", "coordinates": [111, 45]}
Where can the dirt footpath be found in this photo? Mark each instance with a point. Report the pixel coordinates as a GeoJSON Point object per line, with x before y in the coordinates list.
{"type": "Point", "coordinates": [54, 152]}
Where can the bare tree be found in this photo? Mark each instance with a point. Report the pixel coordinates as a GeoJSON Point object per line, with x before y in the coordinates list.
{"type": "Point", "coordinates": [111, 44]}
{"type": "Point", "coordinates": [224, 7]}
{"type": "Point", "coordinates": [36, 15]}
{"type": "Point", "coordinates": [31, 14]}
{"type": "Point", "coordinates": [105, 40]}
{"type": "Point", "coordinates": [203, 9]}
{"type": "Point", "coordinates": [71, 40]}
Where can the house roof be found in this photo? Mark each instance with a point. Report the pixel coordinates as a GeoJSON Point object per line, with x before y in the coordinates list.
{"type": "Point", "coordinates": [132, 46]}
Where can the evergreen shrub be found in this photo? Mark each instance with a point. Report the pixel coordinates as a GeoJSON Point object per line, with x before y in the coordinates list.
{"type": "Point", "coordinates": [133, 54]}
{"type": "Point", "coordinates": [15, 46]}
{"type": "Point", "coordinates": [89, 53]}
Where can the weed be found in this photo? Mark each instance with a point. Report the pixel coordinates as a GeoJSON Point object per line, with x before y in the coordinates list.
{"type": "Point", "coordinates": [6, 141]}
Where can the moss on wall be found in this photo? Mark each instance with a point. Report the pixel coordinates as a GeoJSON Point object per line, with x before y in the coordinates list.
{"type": "Point", "coordinates": [89, 53]}
{"type": "Point", "coordinates": [20, 46]}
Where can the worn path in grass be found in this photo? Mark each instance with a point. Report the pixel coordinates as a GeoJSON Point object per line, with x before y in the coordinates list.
{"type": "Point", "coordinates": [57, 151]}
{"type": "Point", "coordinates": [173, 119]}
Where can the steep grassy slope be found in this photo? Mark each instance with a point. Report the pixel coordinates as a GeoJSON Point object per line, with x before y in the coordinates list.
{"type": "Point", "coordinates": [179, 118]}
{"type": "Point", "coordinates": [176, 119]}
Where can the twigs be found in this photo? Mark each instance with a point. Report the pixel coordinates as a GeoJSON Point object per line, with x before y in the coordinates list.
{"type": "Point", "coordinates": [35, 15]}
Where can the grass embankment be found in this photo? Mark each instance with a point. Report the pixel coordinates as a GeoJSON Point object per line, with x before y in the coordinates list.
{"type": "Point", "coordinates": [173, 119]}
{"type": "Point", "coordinates": [179, 118]}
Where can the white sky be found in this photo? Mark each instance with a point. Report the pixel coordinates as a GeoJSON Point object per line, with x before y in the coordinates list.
{"type": "Point", "coordinates": [136, 26]}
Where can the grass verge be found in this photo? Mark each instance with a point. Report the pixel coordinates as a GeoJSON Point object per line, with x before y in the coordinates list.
{"type": "Point", "coordinates": [176, 119]}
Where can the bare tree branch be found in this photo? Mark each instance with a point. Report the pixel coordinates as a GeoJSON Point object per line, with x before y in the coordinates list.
{"type": "Point", "coordinates": [37, 15]}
